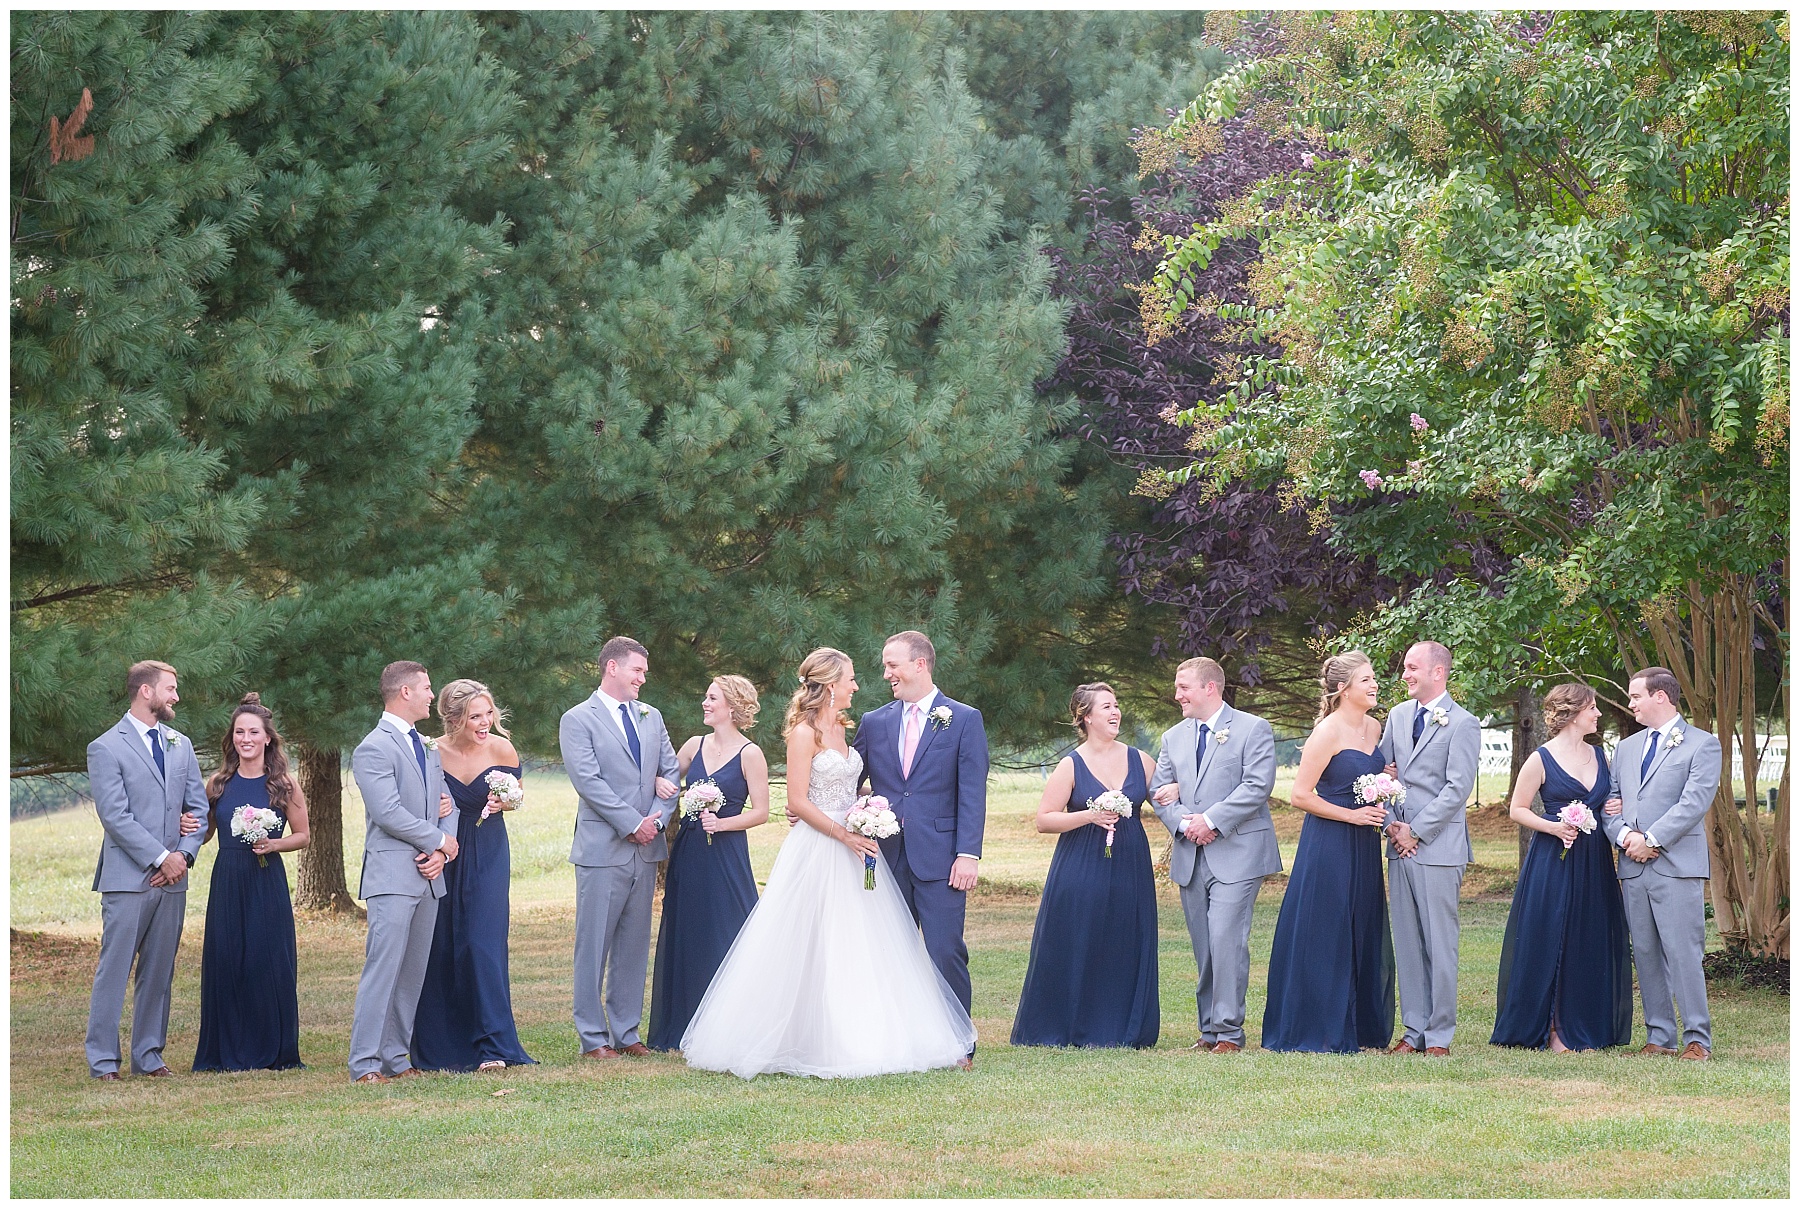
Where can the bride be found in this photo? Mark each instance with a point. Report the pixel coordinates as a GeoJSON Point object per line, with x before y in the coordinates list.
{"type": "Point", "coordinates": [827, 978]}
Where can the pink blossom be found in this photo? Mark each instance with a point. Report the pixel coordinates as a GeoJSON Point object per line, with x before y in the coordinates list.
{"type": "Point", "coordinates": [1419, 423]}
{"type": "Point", "coordinates": [1371, 479]}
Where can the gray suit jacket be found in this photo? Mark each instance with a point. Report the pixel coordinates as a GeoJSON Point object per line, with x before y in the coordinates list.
{"type": "Point", "coordinates": [1439, 776]}
{"type": "Point", "coordinates": [1232, 789]}
{"type": "Point", "coordinates": [402, 811]}
{"type": "Point", "coordinates": [616, 795]}
{"type": "Point", "coordinates": [1670, 802]}
{"type": "Point", "coordinates": [140, 809]}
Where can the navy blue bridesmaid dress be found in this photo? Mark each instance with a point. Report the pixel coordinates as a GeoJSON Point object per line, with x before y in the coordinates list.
{"type": "Point", "coordinates": [1092, 978]}
{"type": "Point", "coordinates": [708, 893]}
{"type": "Point", "coordinates": [1331, 970]}
{"type": "Point", "coordinates": [1566, 959]}
{"type": "Point", "coordinates": [465, 1012]}
{"type": "Point", "coordinates": [249, 970]}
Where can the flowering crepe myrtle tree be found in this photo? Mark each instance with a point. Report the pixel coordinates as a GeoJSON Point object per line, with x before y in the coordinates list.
{"type": "Point", "coordinates": [1539, 295]}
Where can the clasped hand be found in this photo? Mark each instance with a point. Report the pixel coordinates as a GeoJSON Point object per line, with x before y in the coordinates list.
{"type": "Point", "coordinates": [1405, 842]}
{"type": "Point", "coordinates": [162, 876]}
{"type": "Point", "coordinates": [1195, 829]}
{"type": "Point", "coordinates": [1639, 849]}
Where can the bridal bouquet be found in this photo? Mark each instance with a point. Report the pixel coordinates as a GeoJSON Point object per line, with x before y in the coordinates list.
{"type": "Point", "coordinates": [253, 824]}
{"type": "Point", "coordinates": [1379, 789]}
{"type": "Point", "coordinates": [874, 817]}
{"type": "Point", "coordinates": [699, 798]}
{"type": "Point", "coordinates": [1118, 804]}
{"type": "Point", "coordinates": [1583, 819]}
{"type": "Point", "coordinates": [504, 793]}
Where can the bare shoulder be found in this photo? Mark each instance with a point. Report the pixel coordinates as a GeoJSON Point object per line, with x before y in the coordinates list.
{"type": "Point", "coordinates": [753, 757]}
{"type": "Point", "coordinates": [690, 747]}
{"type": "Point", "coordinates": [1371, 731]}
{"type": "Point", "coordinates": [506, 753]}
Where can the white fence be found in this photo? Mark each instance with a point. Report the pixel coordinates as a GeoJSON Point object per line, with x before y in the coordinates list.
{"type": "Point", "coordinates": [1496, 757]}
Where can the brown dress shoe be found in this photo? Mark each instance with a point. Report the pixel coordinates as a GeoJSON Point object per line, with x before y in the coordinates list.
{"type": "Point", "coordinates": [411, 1072]}
{"type": "Point", "coordinates": [965, 1064]}
{"type": "Point", "coordinates": [1203, 1045]}
{"type": "Point", "coordinates": [1403, 1046]}
{"type": "Point", "coordinates": [1437, 1051]}
{"type": "Point", "coordinates": [111, 1076]}
{"type": "Point", "coordinates": [602, 1054]}
{"type": "Point", "coordinates": [1695, 1052]}
{"type": "Point", "coordinates": [161, 1072]}
{"type": "Point", "coordinates": [637, 1049]}
{"type": "Point", "coordinates": [373, 1076]}
{"type": "Point", "coordinates": [1226, 1047]}
{"type": "Point", "coordinates": [1656, 1051]}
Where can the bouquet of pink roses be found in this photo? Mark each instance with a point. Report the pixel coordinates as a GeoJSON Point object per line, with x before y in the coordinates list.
{"type": "Point", "coordinates": [702, 797]}
{"type": "Point", "coordinates": [253, 824]}
{"type": "Point", "coordinates": [1577, 814]}
{"type": "Point", "coordinates": [1379, 789]}
{"type": "Point", "coordinates": [873, 816]}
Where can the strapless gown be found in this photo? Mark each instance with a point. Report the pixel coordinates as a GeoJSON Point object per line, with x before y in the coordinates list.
{"type": "Point", "coordinates": [827, 978]}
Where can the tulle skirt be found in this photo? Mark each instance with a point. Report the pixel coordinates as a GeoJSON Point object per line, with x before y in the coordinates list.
{"type": "Point", "coordinates": [827, 979]}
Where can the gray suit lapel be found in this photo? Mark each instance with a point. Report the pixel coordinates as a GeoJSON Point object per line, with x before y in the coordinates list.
{"type": "Point", "coordinates": [1187, 738]}
{"type": "Point", "coordinates": [1212, 745]}
{"type": "Point", "coordinates": [1431, 728]}
{"type": "Point", "coordinates": [129, 734]}
{"type": "Point", "coordinates": [612, 728]}
{"type": "Point", "coordinates": [1663, 748]}
{"type": "Point", "coordinates": [1403, 744]}
{"type": "Point", "coordinates": [411, 761]}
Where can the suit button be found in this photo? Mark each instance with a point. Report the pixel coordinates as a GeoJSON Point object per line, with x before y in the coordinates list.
{"type": "Point", "coordinates": [907, 794]}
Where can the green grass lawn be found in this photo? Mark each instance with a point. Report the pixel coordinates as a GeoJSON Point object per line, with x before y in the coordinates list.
{"type": "Point", "coordinates": [1486, 1121]}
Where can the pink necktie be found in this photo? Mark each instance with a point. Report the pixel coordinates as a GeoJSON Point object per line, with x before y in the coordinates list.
{"type": "Point", "coordinates": [911, 742]}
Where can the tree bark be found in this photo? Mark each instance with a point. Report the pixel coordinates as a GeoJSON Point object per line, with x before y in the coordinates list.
{"type": "Point", "coordinates": [319, 885]}
{"type": "Point", "coordinates": [1527, 737]}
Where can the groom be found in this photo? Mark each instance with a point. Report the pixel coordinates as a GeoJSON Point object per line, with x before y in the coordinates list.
{"type": "Point", "coordinates": [1666, 774]}
{"type": "Point", "coordinates": [1434, 745]}
{"type": "Point", "coordinates": [617, 753]}
{"type": "Point", "coordinates": [1211, 791]}
{"type": "Point", "coordinates": [928, 756]}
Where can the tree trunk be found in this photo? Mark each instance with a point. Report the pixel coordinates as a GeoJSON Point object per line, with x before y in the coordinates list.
{"type": "Point", "coordinates": [1705, 639]}
{"type": "Point", "coordinates": [1527, 737]}
{"type": "Point", "coordinates": [319, 885]}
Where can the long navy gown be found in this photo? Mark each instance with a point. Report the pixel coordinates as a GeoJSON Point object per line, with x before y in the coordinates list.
{"type": "Point", "coordinates": [1092, 978]}
{"type": "Point", "coordinates": [1331, 971]}
{"type": "Point", "coordinates": [1566, 959]}
{"type": "Point", "coordinates": [465, 1012]}
{"type": "Point", "coordinates": [708, 893]}
{"type": "Point", "coordinates": [249, 970]}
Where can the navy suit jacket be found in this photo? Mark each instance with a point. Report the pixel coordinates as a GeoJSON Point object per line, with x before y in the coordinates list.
{"type": "Point", "coordinates": [942, 806]}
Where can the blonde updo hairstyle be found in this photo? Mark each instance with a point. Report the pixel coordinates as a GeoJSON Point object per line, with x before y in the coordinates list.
{"type": "Point", "coordinates": [1562, 704]}
{"type": "Point", "coordinates": [818, 672]}
{"type": "Point", "coordinates": [740, 696]}
{"type": "Point", "coordinates": [454, 701]}
{"type": "Point", "coordinates": [1082, 702]}
{"type": "Point", "coordinates": [1338, 671]}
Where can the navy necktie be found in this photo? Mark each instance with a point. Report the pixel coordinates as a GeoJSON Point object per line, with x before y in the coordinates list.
{"type": "Point", "coordinates": [631, 736]}
{"type": "Point", "coordinates": [1418, 724]}
{"type": "Point", "coordinates": [156, 750]}
{"type": "Point", "coordinates": [1200, 750]}
{"type": "Point", "coordinates": [419, 751]}
{"type": "Point", "coordinates": [1649, 755]}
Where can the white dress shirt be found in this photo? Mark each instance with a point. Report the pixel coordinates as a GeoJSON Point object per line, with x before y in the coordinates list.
{"type": "Point", "coordinates": [611, 706]}
{"type": "Point", "coordinates": [923, 705]}
{"type": "Point", "coordinates": [1212, 736]}
{"type": "Point", "coordinates": [162, 737]}
{"type": "Point", "coordinates": [407, 731]}
{"type": "Point", "coordinates": [1662, 745]}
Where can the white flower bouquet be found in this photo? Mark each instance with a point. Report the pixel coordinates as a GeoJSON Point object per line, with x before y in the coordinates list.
{"type": "Point", "coordinates": [504, 793]}
{"type": "Point", "coordinates": [254, 824]}
{"type": "Point", "coordinates": [1116, 802]}
{"type": "Point", "coordinates": [873, 816]}
{"type": "Point", "coordinates": [702, 797]}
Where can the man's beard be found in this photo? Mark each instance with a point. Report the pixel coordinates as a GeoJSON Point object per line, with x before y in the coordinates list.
{"type": "Point", "coordinates": [164, 712]}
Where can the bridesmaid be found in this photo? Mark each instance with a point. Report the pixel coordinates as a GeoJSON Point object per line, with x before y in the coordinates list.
{"type": "Point", "coordinates": [1565, 966]}
{"type": "Point", "coordinates": [249, 995]}
{"type": "Point", "coordinates": [1092, 978]}
{"type": "Point", "coordinates": [709, 889]}
{"type": "Point", "coordinates": [465, 1018]}
{"type": "Point", "coordinates": [1331, 971]}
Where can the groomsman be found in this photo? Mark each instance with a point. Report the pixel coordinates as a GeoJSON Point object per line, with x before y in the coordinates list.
{"type": "Point", "coordinates": [1211, 791]}
{"type": "Point", "coordinates": [928, 755]}
{"type": "Point", "coordinates": [618, 755]}
{"type": "Point", "coordinates": [143, 775]}
{"type": "Point", "coordinates": [404, 850]}
{"type": "Point", "coordinates": [1435, 746]}
{"type": "Point", "coordinates": [1666, 775]}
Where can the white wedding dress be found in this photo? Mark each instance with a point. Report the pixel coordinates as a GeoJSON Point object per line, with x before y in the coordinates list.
{"type": "Point", "coordinates": [827, 978]}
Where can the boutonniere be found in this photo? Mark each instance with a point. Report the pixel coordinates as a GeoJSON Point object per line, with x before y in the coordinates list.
{"type": "Point", "coordinates": [940, 717]}
{"type": "Point", "coordinates": [1675, 737]}
{"type": "Point", "coordinates": [1440, 716]}
{"type": "Point", "coordinates": [174, 739]}
{"type": "Point", "coordinates": [1222, 735]}
{"type": "Point", "coordinates": [430, 743]}
{"type": "Point", "coordinates": [643, 711]}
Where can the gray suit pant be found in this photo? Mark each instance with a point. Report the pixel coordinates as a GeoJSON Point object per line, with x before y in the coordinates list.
{"type": "Point", "coordinates": [387, 997]}
{"type": "Point", "coordinates": [1667, 917]}
{"type": "Point", "coordinates": [145, 925]}
{"type": "Point", "coordinates": [1218, 921]}
{"type": "Point", "coordinates": [612, 942]}
{"type": "Point", "coordinates": [1423, 902]}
